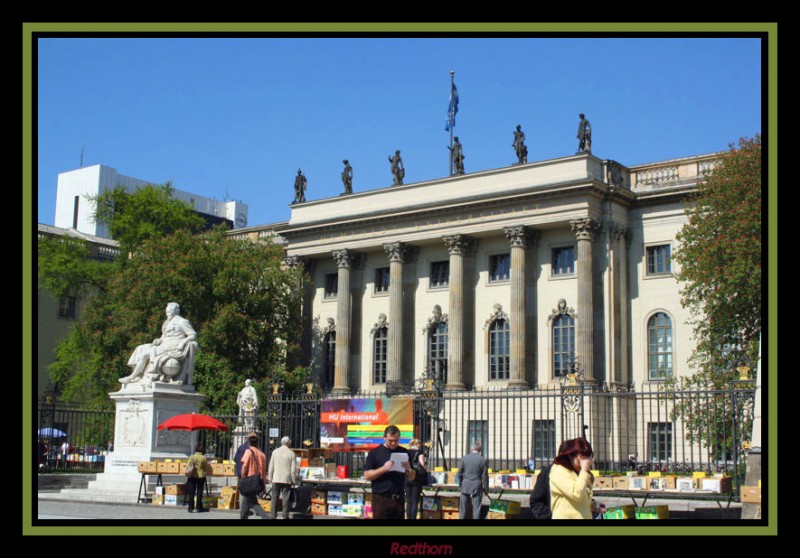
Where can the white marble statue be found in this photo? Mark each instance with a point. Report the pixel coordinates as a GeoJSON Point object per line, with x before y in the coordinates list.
{"type": "Point", "coordinates": [248, 405]}
{"type": "Point", "coordinates": [170, 358]}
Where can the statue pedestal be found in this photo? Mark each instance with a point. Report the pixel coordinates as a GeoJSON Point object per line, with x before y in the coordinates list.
{"type": "Point", "coordinates": [140, 408]}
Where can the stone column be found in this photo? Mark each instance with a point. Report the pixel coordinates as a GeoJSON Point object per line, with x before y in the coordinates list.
{"type": "Point", "coordinates": [344, 261]}
{"type": "Point", "coordinates": [519, 238]}
{"type": "Point", "coordinates": [458, 246]}
{"type": "Point", "coordinates": [394, 368]}
{"type": "Point", "coordinates": [585, 230]}
{"type": "Point", "coordinates": [306, 287]}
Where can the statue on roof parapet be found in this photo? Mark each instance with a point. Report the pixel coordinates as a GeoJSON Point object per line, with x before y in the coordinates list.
{"type": "Point", "coordinates": [519, 146]}
{"type": "Point", "coordinates": [398, 171]}
{"type": "Point", "coordinates": [300, 184]}
{"type": "Point", "coordinates": [584, 135]}
{"type": "Point", "coordinates": [347, 177]}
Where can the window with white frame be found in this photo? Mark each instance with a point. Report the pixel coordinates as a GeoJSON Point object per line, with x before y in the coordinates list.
{"type": "Point", "coordinates": [659, 438]}
{"type": "Point", "coordinates": [382, 280]}
{"type": "Point", "coordinates": [499, 350]}
{"type": "Point", "coordinates": [658, 260]}
{"type": "Point", "coordinates": [563, 344]}
{"type": "Point", "coordinates": [563, 261]}
{"type": "Point", "coordinates": [440, 275]}
{"type": "Point", "coordinates": [379, 359]}
{"type": "Point", "coordinates": [544, 440]}
{"type": "Point", "coordinates": [499, 267]}
{"type": "Point", "coordinates": [659, 347]}
{"type": "Point", "coordinates": [331, 285]}
{"type": "Point", "coordinates": [437, 352]}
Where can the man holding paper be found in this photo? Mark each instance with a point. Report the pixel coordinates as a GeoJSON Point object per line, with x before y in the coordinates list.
{"type": "Point", "coordinates": [387, 467]}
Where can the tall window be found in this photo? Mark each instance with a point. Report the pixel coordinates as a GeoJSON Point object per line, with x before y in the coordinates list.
{"type": "Point", "coordinates": [564, 260]}
{"type": "Point", "coordinates": [437, 352]}
{"type": "Point", "coordinates": [658, 260]}
{"type": "Point", "coordinates": [67, 307]}
{"type": "Point", "coordinates": [499, 347]}
{"type": "Point", "coordinates": [382, 280]}
{"type": "Point", "coordinates": [478, 430]}
{"type": "Point", "coordinates": [563, 344]}
{"type": "Point", "coordinates": [659, 437]}
{"type": "Point", "coordinates": [499, 267]}
{"type": "Point", "coordinates": [440, 274]}
{"type": "Point", "coordinates": [659, 347]}
{"type": "Point", "coordinates": [379, 355]}
{"type": "Point", "coordinates": [329, 359]}
{"type": "Point", "coordinates": [331, 285]}
{"type": "Point", "coordinates": [544, 440]}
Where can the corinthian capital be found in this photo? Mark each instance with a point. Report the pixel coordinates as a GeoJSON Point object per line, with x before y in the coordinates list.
{"type": "Point", "coordinates": [398, 251]}
{"type": "Point", "coordinates": [520, 237]}
{"type": "Point", "coordinates": [459, 244]}
{"type": "Point", "coordinates": [584, 229]}
{"type": "Point", "coordinates": [343, 258]}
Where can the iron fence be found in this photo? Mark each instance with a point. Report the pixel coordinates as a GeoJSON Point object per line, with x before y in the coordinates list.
{"type": "Point", "coordinates": [652, 428]}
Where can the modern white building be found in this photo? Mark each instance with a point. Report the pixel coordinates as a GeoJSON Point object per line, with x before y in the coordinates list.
{"type": "Point", "coordinates": [74, 210]}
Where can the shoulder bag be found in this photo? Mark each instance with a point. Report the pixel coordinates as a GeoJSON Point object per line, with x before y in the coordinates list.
{"type": "Point", "coordinates": [251, 485]}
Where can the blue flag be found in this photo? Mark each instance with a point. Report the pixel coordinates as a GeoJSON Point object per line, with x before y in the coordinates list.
{"type": "Point", "coordinates": [452, 109]}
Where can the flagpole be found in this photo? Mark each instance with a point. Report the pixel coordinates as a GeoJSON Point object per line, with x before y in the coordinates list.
{"type": "Point", "coordinates": [452, 120]}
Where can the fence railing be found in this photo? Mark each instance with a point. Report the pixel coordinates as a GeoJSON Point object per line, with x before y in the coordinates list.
{"type": "Point", "coordinates": [654, 428]}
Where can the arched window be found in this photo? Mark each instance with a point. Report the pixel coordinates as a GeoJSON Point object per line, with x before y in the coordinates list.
{"type": "Point", "coordinates": [499, 350]}
{"type": "Point", "coordinates": [379, 344]}
{"type": "Point", "coordinates": [659, 347]}
{"type": "Point", "coordinates": [563, 344]}
{"type": "Point", "coordinates": [328, 359]}
{"type": "Point", "coordinates": [437, 352]}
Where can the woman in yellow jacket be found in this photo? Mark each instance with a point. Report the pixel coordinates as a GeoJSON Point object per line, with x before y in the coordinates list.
{"type": "Point", "coordinates": [571, 481]}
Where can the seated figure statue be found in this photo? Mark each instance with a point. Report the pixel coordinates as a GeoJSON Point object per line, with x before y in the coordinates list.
{"type": "Point", "coordinates": [170, 358]}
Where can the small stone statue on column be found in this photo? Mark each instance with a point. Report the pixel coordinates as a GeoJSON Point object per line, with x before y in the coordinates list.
{"type": "Point", "coordinates": [247, 400]}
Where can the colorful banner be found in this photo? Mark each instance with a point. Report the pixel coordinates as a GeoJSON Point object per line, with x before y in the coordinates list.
{"type": "Point", "coordinates": [358, 424]}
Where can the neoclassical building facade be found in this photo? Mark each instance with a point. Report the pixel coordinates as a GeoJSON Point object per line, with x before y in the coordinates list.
{"type": "Point", "coordinates": [501, 279]}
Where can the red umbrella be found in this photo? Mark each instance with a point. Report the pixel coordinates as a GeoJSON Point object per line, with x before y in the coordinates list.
{"type": "Point", "coordinates": [192, 422]}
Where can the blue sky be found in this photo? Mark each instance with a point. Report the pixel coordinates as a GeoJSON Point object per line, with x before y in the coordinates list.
{"type": "Point", "coordinates": [236, 117]}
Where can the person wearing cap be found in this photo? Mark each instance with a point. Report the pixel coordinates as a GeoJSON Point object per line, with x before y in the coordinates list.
{"type": "Point", "coordinates": [253, 462]}
{"type": "Point", "coordinates": [283, 473]}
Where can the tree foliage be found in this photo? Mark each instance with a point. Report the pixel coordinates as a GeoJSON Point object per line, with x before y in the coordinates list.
{"type": "Point", "coordinates": [719, 259]}
{"type": "Point", "coordinates": [240, 299]}
{"type": "Point", "coordinates": [243, 303]}
{"type": "Point", "coordinates": [143, 214]}
{"type": "Point", "coordinates": [65, 267]}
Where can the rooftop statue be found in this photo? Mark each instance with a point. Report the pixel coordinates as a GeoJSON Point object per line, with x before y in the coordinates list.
{"type": "Point", "coordinates": [519, 146]}
{"type": "Point", "coordinates": [300, 184]}
{"type": "Point", "coordinates": [347, 177]}
{"type": "Point", "coordinates": [398, 172]}
{"type": "Point", "coordinates": [584, 135]}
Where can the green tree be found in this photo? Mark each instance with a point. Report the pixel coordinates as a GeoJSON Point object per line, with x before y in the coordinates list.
{"type": "Point", "coordinates": [143, 214]}
{"type": "Point", "coordinates": [239, 297]}
{"type": "Point", "coordinates": [719, 266]}
{"type": "Point", "coordinates": [719, 257]}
